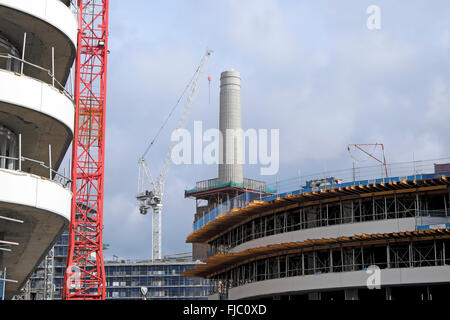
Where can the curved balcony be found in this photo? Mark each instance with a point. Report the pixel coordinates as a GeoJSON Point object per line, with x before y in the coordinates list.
{"type": "Point", "coordinates": [34, 212]}
{"type": "Point", "coordinates": [47, 24]}
{"type": "Point", "coordinates": [42, 115]}
{"type": "Point", "coordinates": [336, 231]}
{"type": "Point", "coordinates": [35, 99]}
{"type": "Point", "coordinates": [37, 50]}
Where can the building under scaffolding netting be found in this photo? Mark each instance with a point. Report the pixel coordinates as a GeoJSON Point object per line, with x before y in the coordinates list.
{"type": "Point", "coordinates": [352, 234]}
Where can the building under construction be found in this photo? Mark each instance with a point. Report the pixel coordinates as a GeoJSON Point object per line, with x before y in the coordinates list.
{"type": "Point", "coordinates": [367, 233]}
{"type": "Point", "coordinates": [38, 44]}
{"type": "Point", "coordinates": [379, 232]}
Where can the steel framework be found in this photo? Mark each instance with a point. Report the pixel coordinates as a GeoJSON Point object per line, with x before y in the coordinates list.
{"type": "Point", "coordinates": [356, 210]}
{"type": "Point", "coordinates": [49, 275]}
{"type": "Point", "coordinates": [360, 147]}
{"type": "Point", "coordinates": [411, 254]}
{"type": "Point", "coordinates": [85, 276]}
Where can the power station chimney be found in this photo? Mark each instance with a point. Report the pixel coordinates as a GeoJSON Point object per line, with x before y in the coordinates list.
{"type": "Point", "coordinates": [231, 148]}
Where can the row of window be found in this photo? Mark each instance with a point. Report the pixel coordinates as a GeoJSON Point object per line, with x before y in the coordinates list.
{"type": "Point", "coordinates": [340, 259]}
{"type": "Point", "coordinates": [149, 281]}
{"type": "Point", "coordinates": [321, 215]}
{"type": "Point", "coordinates": [147, 270]}
{"type": "Point", "coordinates": [157, 292]}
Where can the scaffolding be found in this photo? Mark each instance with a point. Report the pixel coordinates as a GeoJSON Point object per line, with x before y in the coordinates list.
{"type": "Point", "coordinates": [6, 247]}
{"type": "Point", "coordinates": [344, 204]}
{"type": "Point", "coordinates": [221, 263]}
{"type": "Point", "coordinates": [49, 272]}
{"type": "Point", "coordinates": [312, 261]}
{"type": "Point", "coordinates": [421, 206]}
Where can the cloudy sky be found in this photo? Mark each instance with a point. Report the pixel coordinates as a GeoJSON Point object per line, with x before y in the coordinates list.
{"type": "Point", "coordinates": [309, 68]}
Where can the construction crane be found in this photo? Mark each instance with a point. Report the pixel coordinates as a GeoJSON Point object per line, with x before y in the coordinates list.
{"type": "Point", "coordinates": [360, 147]}
{"type": "Point", "coordinates": [84, 278]}
{"type": "Point", "coordinates": [150, 191]}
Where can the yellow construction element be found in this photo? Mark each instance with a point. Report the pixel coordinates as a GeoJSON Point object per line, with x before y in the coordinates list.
{"type": "Point", "coordinates": [236, 217]}
{"type": "Point", "coordinates": [220, 263]}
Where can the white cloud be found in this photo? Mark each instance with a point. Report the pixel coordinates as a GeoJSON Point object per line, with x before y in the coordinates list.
{"type": "Point", "coordinates": [259, 29]}
{"type": "Point", "coordinates": [438, 109]}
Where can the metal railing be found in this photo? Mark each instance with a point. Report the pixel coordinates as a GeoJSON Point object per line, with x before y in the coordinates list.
{"type": "Point", "coordinates": [305, 225]}
{"type": "Point", "coordinates": [316, 223]}
{"type": "Point", "coordinates": [349, 177]}
{"type": "Point", "coordinates": [53, 175]}
{"type": "Point", "coordinates": [234, 203]}
{"type": "Point", "coordinates": [415, 259]}
{"type": "Point", "coordinates": [50, 73]}
{"type": "Point", "coordinates": [353, 267]}
{"type": "Point", "coordinates": [211, 184]}
{"type": "Point", "coordinates": [359, 175]}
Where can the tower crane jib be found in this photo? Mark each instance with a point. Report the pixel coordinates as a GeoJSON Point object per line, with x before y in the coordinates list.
{"type": "Point", "coordinates": [151, 197]}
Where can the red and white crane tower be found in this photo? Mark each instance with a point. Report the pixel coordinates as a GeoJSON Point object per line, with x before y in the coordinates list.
{"type": "Point", "coordinates": [85, 274]}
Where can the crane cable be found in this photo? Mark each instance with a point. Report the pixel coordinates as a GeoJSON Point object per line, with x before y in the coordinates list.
{"type": "Point", "coordinates": [359, 160]}
{"type": "Point", "coordinates": [170, 114]}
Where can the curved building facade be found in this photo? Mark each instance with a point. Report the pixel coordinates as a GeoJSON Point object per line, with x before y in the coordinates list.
{"type": "Point", "coordinates": [37, 51]}
{"type": "Point", "coordinates": [386, 239]}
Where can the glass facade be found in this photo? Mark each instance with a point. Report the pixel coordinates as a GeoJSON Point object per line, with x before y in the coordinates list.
{"type": "Point", "coordinates": [162, 279]}
{"type": "Point", "coordinates": [124, 278]}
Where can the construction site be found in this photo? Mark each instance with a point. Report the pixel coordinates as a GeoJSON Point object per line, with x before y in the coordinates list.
{"type": "Point", "coordinates": [375, 232]}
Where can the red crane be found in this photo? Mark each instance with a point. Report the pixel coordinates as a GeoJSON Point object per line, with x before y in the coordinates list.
{"type": "Point", "coordinates": [85, 273]}
{"type": "Point", "coordinates": [375, 145]}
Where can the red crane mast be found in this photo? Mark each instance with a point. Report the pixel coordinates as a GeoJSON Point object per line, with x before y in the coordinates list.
{"type": "Point", "coordinates": [85, 274]}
